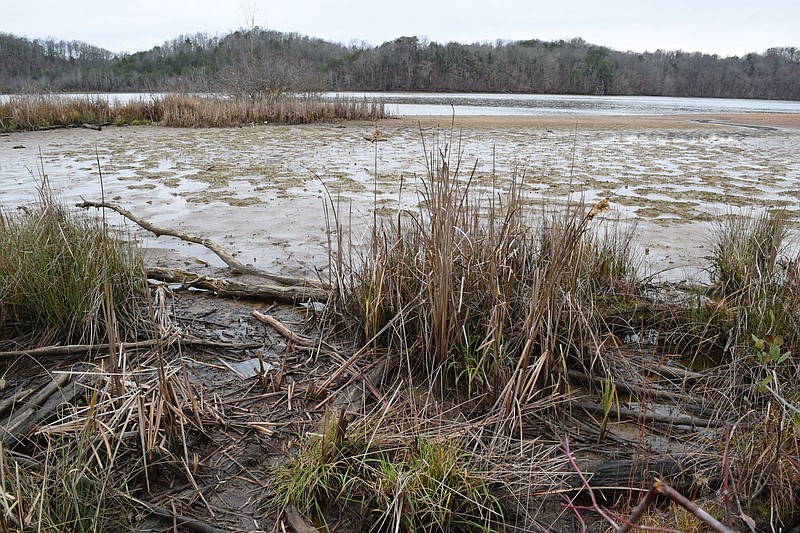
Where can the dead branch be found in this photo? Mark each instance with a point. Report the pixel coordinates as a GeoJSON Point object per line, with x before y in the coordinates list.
{"type": "Point", "coordinates": [234, 264]}
{"type": "Point", "coordinates": [89, 349]}
{"type": "Point", "coordinates": [586, 485]}
{"type": "Point", "coordinates": [660, 487]}
{"type": "Point", "coordinates": [285, 332]}
{"type": "Point", "coordinates": [637, 512]}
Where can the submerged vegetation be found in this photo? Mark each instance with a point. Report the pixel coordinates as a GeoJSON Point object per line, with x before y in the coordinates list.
{"type": "Point", "coordinates": [497, 365]}
{"type": "Point", "coordinates": [32, 112]}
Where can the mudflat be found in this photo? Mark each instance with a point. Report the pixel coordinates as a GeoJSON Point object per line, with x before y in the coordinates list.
{"type": "Point", "coordinates": [263, 191]}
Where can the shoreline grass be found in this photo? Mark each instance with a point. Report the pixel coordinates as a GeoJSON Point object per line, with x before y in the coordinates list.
{"type": "Point", "coordinates": [60, 270]}
{"type": "Point", "coordinates": [48, 111]}
{"type": "Point", "coordinates": [476, 286]}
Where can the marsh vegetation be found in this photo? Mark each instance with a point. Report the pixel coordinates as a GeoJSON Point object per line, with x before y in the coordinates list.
{"type": "Point", "coordinates": [483, 361]}
{"type": "Point", "coordinates": [47, 111]}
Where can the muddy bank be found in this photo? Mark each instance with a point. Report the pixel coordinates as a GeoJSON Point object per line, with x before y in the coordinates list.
{"type": "Point", "coordinates": [262, 191]}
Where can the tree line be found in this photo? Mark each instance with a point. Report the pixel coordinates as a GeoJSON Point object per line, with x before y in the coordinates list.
{"type": "Point", "coordinates": [255, 61]}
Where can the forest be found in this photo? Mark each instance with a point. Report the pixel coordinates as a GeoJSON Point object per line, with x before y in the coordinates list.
{"type": "Point", "coordinates": [260, 61]}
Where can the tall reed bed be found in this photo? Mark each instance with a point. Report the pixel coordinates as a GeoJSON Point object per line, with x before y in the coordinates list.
{"type": "Point", "coordinates": [31, 112]}
{"type": "Point", "coordinates": [484, 296]}
{"type": "Point", "coordinates": [476, 287]}
{"type": "Point", "coordinates": [181, 111]}
{"type": "Point", "coordinates": [755, 276]}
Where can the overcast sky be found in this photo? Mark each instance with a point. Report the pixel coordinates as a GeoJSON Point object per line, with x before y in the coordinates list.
{"type": "Point", "coordinates": [724, 27]}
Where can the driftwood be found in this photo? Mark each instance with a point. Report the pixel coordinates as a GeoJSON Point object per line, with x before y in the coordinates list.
{"type": "Point", "coordinates": [231, 288]}
{"type": "Point", "coordinates": [89, 349]}
{"type": "Point", "coordinates": [234, 264]}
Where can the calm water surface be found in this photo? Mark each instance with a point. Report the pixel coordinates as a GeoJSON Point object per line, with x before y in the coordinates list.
{"type": "Point", "coordinates": [548, 104]}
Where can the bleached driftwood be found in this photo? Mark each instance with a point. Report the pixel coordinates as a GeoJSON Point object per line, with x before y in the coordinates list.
{"type": "Point", "coordinates": [234, 288]}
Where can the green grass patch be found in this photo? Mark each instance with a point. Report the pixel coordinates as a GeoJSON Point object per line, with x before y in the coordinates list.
{"type": "Point", "coordinates": [392, 482]}
{"type": "Point", "coordinates": [56, 267]}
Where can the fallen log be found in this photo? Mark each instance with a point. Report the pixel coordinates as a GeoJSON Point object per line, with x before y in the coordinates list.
{"type": "Point", "coordinates": [630, 388]}
{"type": "Point", "coordinates": [86, 125]}
{"type": "Point", "coordinates": [89, 349]}
{"type": "Point", "coordinates": [646, 417]}
{"type": "Point", "coordinates": [22, 420]}
{"type": "Point", "coordinates": [9, 403]}
{"type": "Point", "coordinates": [234, 264]}
{"type": "Point", "coordinates": [618, 475]}
{"type": "Point", "coordinates": [296, 520]}
{"type": "Point", "coordinates": [230, 288]}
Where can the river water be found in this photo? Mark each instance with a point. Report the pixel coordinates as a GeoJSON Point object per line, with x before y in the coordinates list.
{"type": "Point", "coordinates": [412, 104]}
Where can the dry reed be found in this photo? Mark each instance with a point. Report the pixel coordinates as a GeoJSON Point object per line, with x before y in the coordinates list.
{"type": "Point", "coordinates": [31, 112]}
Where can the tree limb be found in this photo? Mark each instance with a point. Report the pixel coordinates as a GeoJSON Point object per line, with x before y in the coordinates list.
{"type": "Point", "coordinates": [234, 264]}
